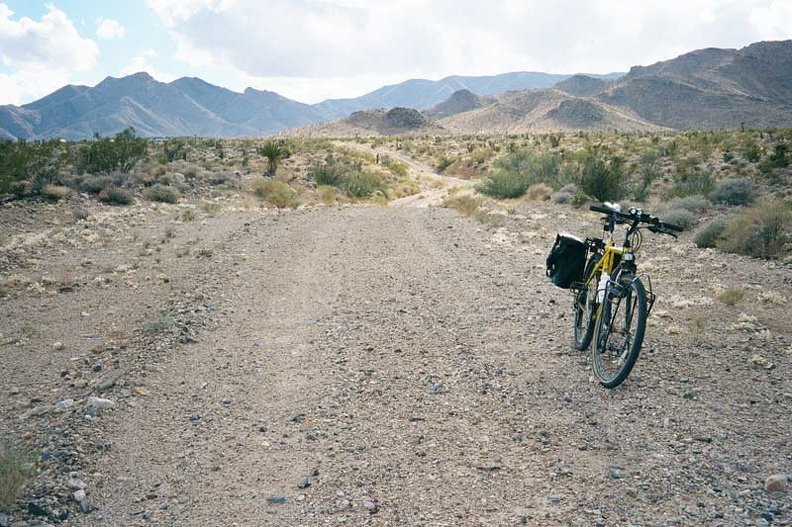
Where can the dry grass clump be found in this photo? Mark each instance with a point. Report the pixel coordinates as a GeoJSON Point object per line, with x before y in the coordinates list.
{"type": "Point", "coordinates": [276, 193]}
{"type": "Point", "coordinates": [55, 192]}
{"type": "Point", "coordinates": [162, 193]}
{"type": "Point", "coordinates": [16, 468]}
{"type": "Point", "coordinates": [466, 205]}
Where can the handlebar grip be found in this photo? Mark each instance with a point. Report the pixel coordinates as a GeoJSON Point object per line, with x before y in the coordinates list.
{"type": "Point", "coordinates": [604, 210]}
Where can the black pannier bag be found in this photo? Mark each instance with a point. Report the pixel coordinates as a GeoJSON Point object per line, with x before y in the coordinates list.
{"type": "Point", "coordinates": [566, 260]}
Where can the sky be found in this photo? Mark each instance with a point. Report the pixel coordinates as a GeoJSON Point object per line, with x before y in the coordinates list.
{"type": "Point", "coordinates": [312, 50]}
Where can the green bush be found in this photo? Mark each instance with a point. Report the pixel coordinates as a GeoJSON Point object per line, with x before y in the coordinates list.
{"type": "Point", "coordinates": [689, 184]}
{"type": "Point", "coordinates": [751, 151]}
{"type": "Point", "coordinates": [26, 167]}
{"type": "Point", "coordinates": [360, 184]}
{"type": "Point", "coordinates": [603, 180]}
{"type": "Point", "coordinates": [503, 184]}
{"type": "Point", "coordinates": [326, 175]}
{"type": "Point", "coordinates": [517, 171]}
{"type": "Point", "coordinates": [119, 153]}
{"type": "Point", "coordinates": [740, 191]}
{"type": "Point", "coordinates": [762, 231]}
{"type": "Point", "coordinates": [708, 235]}
{"type": "Point", "coordinates": [443, 162]}
{"type": "Point", "coordinates": [161, 193]}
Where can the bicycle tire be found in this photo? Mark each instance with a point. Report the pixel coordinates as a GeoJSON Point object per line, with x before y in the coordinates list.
{"type": "Point", "coordinates": [585, 306]}
{"type": "Point", "coordinates": [620, 331]}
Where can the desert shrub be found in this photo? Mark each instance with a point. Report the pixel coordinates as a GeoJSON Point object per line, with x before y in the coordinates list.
{"type": "Point", "coordinates": [682, 218]}
{"type": "Point", "coordinates": [708, 235]}
{"type": "Point", "coordinates": [95, 184]}
{"type": "Point", "coordinates": [539, 192]}
{"type": "Point", "coordinates": [173, 149]}
{"type": "Point", "coordinates": [503, 184]}
{"type": "Point", "coordinates": [161, 193]}
{"type": "Point", "coordinates": [731, 297]}
{"type": "Point", "coordinates": [741, 191]}
{"type": "Point", "coordinates": [116, 196]}
{"type": "Point", "coordinates": [751, 151]}
{"type": "Point", "coordinates": [328, 174]}
{"type": "Point", "coordinates": [443, 162]}
{"type": "Point", "coordinates": [516, 171]}
{"type": "Point", "coordinates": [762, 231]}
{"type": "Point", "coordinates": [26, 167]}
{"type": "Point", "coordinates": [397, 167]}
{"type": "Point", "coordinates": [327, 194]}
{"type": "Point", "coordinates": [16, 468]}
{"type": "Point", "coordinates": [119, 153]}
{"type": "Point", "coordinates": [603, 180]}
{"type": "Point", "coordinates": [689, 184]}
{"type": "Point", "coordinates": [276, 193]}
{"type": "Point", "coordinates": [55, 192]}
{"type": "Point", "coordinates": [224, 179]}
{"type": "Point", "coordinates": [696, 204]}
{"type": "Point", "coordinates": [466, 205]}
{"type": "Point", "coordinates": [360, 184]}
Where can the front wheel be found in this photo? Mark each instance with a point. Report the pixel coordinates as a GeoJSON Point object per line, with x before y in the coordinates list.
{"type": "Point", "coordinates": [620, 330]}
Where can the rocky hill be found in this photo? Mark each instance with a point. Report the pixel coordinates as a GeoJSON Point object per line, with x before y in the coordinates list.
{"type": "Point", "coordinates": [704, 89]}
{"type": "Point", "coordinates": [712, 88]}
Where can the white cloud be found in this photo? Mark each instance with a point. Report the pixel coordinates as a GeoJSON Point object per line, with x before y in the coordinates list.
{"type": "Point", "coordinates": [107, 28]}
{"type": "Point", "coordinates": [346, 38]}
{"type": "Point", "coordinates": [41, 55]}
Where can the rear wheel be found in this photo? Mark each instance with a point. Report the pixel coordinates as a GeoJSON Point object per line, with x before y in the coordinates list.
{"type": "Point", "coordinates": [585, 306]}
{"type": "Point", "coordinates": [620, 331]}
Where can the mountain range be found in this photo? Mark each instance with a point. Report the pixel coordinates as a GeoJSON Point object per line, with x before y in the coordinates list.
{"type": "Point", "coordinates": [704, 89]}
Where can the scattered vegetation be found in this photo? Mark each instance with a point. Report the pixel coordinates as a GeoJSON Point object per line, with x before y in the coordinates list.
{"type": "Point", "coordinates": [709, 234]}
{"type": "Point", "coordinates": [762, 231]}
{"type": "Point", "coordinates": [731, 297]}
{"type": "Point", "coordinates": [277, 193]}
{"type": "Point", "coordinates": [162, 193]}
{"type": "Point", "coordinates": [16, 468]}
{"type": "Point", "coordinates": [741, 191]}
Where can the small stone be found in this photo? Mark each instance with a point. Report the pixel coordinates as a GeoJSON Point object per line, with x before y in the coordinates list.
{"type": "Point", "coordinates": [79, 496]}
{"type": "Point", "coordinates": [64, 404]}
{"type": "Point", "coordinates": [37, 411]}
{"type": "Point", "coordinates": [304, 484]}
{"type": "Point", "coordinates": [614, 473]}
{"type": "Point", "coordinates": [58, 346]}
{"type": "Point", "coordinates": [370, 506]}
{"type": "Point", "coordinates": [80, 384]}
{"type": "Point", "coordinates": [194, 417]}
{"type": "Point", "coordinates": [433, 389]}
{"type": "Point", "coordinates": [75, 484]}
{"type": "Point", "coordinates": [97, 404]}
{"type": "Point", "coordinates": [777, 483]}
{"type": "Point", "coordinates": [109, 380]}
{"type": "Point", "coordinates": [554, 498]}
{"type": "Point", "coordinates": [85, 314]}
{"type": "Point", "coordinates": [14, 391]}
{"type": "Point", "coordinates": [276, 500]}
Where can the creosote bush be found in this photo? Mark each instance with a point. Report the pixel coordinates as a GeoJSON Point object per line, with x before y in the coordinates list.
{"type": "Point", "coordinates": [708, 235]}
{"type": "Point", "coordinates": [116, 196]}
{"type": "Point", "coordinates": [740, 191]}
{"type": "Point", "coordinates": [161, 193]}
{"type": "Point", "coordinates": [762, 231]}
{"type": "Point", "coordinates": [603, 180]}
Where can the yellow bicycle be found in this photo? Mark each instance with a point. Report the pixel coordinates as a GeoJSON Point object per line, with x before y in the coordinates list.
{"type": "Point", "coordinates": [612, 300]}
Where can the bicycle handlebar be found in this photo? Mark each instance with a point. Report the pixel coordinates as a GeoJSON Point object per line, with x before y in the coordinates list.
{"type": "Point", "coordinates": [636, 216]}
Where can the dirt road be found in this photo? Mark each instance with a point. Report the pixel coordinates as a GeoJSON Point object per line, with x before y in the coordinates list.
{"type": "Point", "coordinates": [381, 366]}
